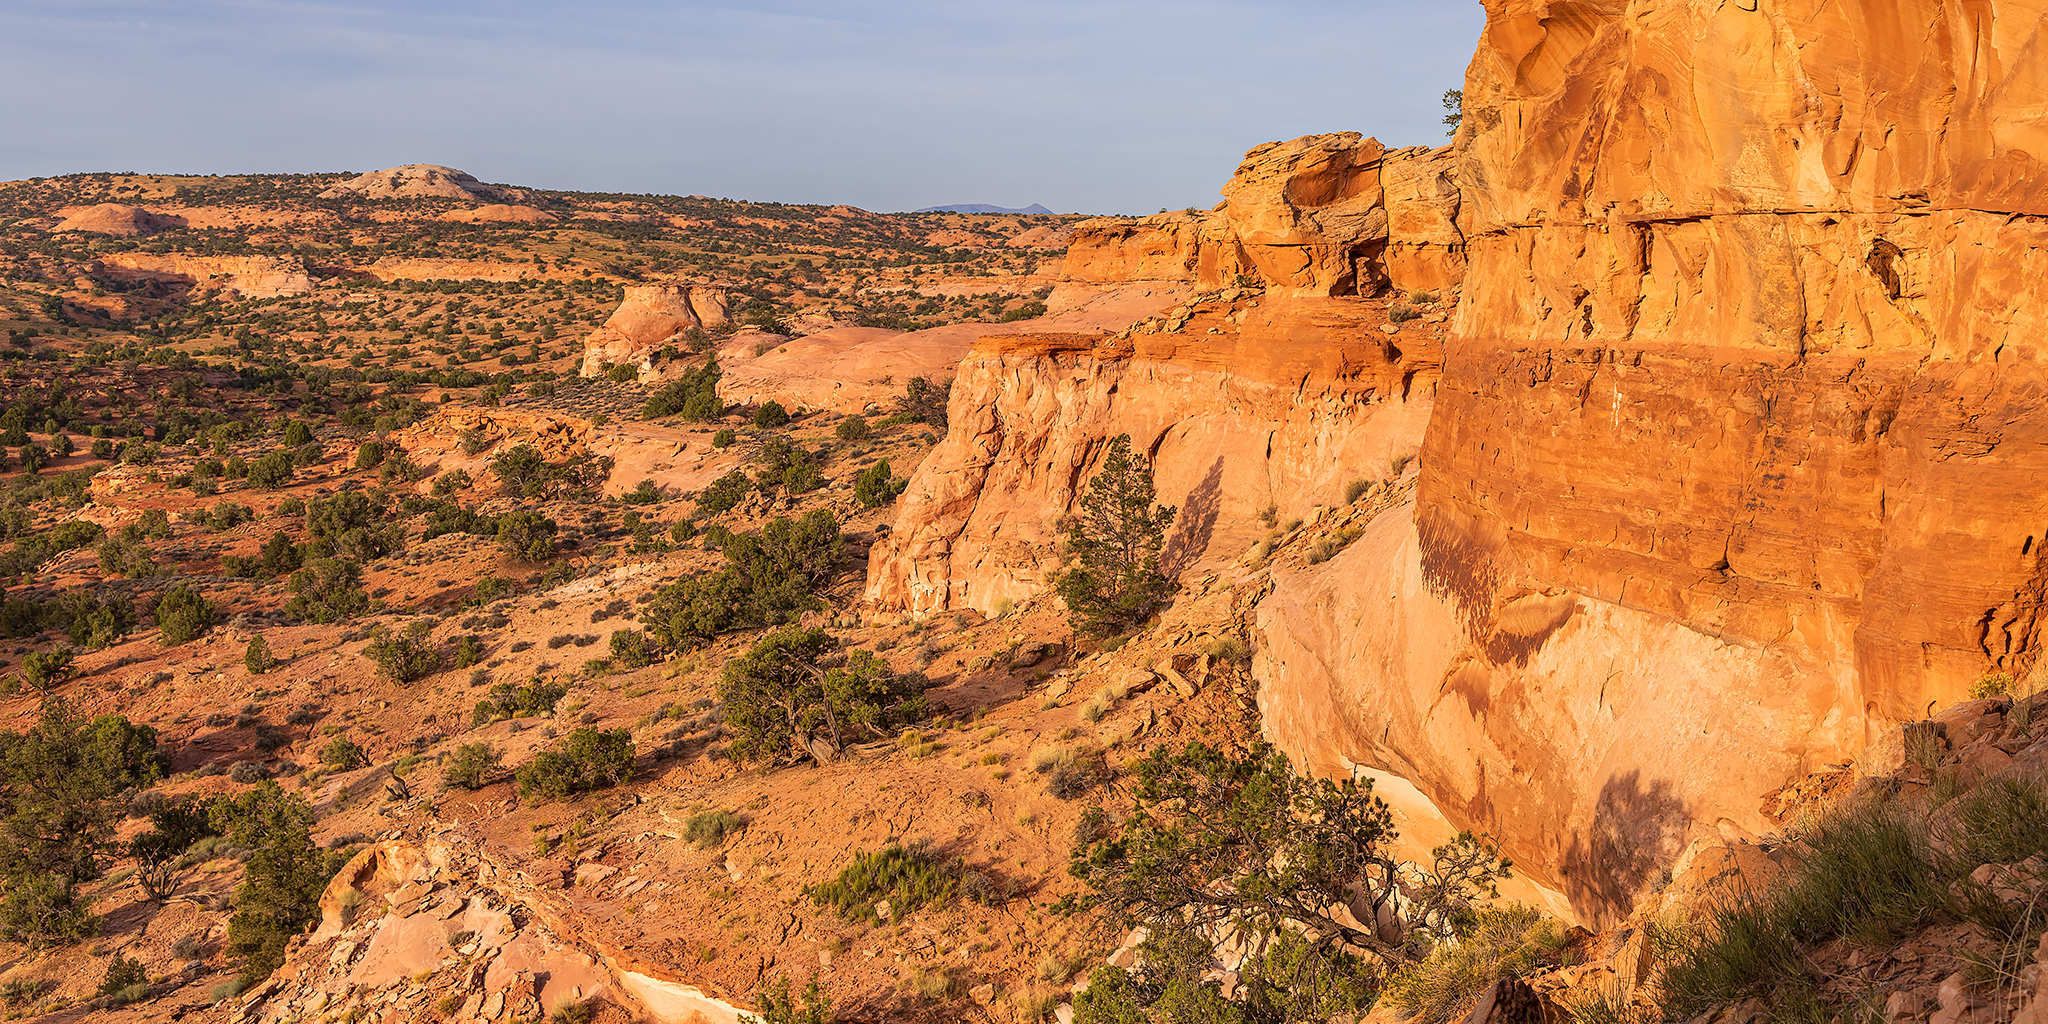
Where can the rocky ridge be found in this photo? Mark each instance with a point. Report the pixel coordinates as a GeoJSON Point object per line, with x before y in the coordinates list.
{"type": "Point", "coordinates": [1721, 437]}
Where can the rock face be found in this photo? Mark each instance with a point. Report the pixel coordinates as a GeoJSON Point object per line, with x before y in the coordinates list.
{"type": "Point", "coordinates": [1731, 462]}
{"type": "Point", "coordinates": [1281, 405]}
{"type": "Point", "coordinates": [1322, 215]}
{"type": "Point", "coordinates": [115, 219]}
{"type": "Point", "coordinates": [1726, 472]}
{"type": "Point", "coordinates": [256, 277]}
{"type": "Point", "coordinates": [649, 316]}
{"type": "Point", "coordinates": [413, 181]}
{"type": "Point", "coordinates": [498, 213]}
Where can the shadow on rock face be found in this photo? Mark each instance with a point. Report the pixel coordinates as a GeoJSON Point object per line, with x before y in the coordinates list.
{"type": "Point", "coordinates": [1195, 524]}
{"type": "Point", "coordinates": [1636, 833]}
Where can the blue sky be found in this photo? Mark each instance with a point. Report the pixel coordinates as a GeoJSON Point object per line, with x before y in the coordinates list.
{"type": "Point", "coordinates": [1110, 106]}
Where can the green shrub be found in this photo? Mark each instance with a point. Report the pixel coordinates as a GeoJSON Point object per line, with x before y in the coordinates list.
{"type": "Point", "coordinates": [694, 395]}
{"type": "Point", "coordinates": [623, 373]}
{"type": "Point", "coordinates": [257, 657]}
{"type": "Point", "coordinates": [629, 649]}
{"type": "Point", "coordinates": [1401, 313]}
{"type": "Point", "coordinates": [182, 616]}
{"type": "Point", "coordinates": [767, 580]}
{"type": "Point", "coordinates": [724, 494]}
{"type": "Point", "coordinates": [468, 651]}
{"type": "Point", "coordinates": [877, 486]}
{"type": "Point", "coordinates": [647, 493]}
{"type": "Point", "coordinates": [327, 590]}
{"type": "Point", "coordinates": [283, 878]}
{"type": "Point", "coordinates": [472, 765]}
{"type": "Point", "coordinates": [529, 536]}
{"type": "Point", "coordinates": [1502, 942]}
{"type": "Point", "coordinates": [406, 657]}
{"type": "Point", "coordinates": [1992, 684]}
{"type": "Point", "coordinates": [910, 879]}
{"type": "Point", "coordinates": [1116, 537]}
{"type": "Point", "coordinates": [508, 701]}
{"type": "Point", "coordinates": [770, 415]}
{"type": "Point", "coordinates": [791, 688]}
{"type": "Point", "coordinates": [342, 754]}
{"type": "Point", "coordinates": [709, 828]}
{"type": "Point", "coordinates": [589, 759]}
{"type": "Point", "coordinates": [778, 1006]}
{"type": "Point", "coordinates": [723, 438]}
{"type": "Point", "coordinates": [272, 471]}
{"type": "Point", "coordinates": [297, 435]}
{"type": "Point", "coordinates": [369, 455]}
{"type": "Point", "coordinates": [46, 670]}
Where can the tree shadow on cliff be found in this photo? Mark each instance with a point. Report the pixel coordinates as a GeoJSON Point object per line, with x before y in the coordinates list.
{"type": "Point", "coordinates": [1637, 831]}
{"type": "Point", "coordinates": [1195, 525]}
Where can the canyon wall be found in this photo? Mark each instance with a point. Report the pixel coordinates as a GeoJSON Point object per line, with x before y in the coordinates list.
{"type": "Point", "coordinates": [256, 277]}
{"type": "Point", "coordinates": [1734, 451]}
{"type": "Point", "coordinates": [1731, 463]}
{"type": "Point", "coordinates": [1241, 401]}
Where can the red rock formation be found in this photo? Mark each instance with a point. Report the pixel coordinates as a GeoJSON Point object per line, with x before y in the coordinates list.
{"type": "Point", "coordinates": [1241, 401]}
{"type": "Point", "coordinates": [1318, 216]}
{"type": "Point", "coordinates": [114, 219]}
{"type": "Point", "coordinates": [649, 318]}
{"type": "Point", "coordinates": [1733, 455]}
{"type": "Point", "coordinates": [257, 277]}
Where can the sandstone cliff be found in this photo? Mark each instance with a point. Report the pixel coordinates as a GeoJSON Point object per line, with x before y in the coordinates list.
{"type": "Point", "coordinates": [1729, 467]}
{"type": "Point", "coordinates": [648, 318]}
{"type": "Point", "coordinates": [256, 277]}
{"type": "Point", "coordinates": [1242, 401]}
{"type": "Point", "coordinates": [1726, 467]}
{"type": "Point", "coordinates": [1322, 215]}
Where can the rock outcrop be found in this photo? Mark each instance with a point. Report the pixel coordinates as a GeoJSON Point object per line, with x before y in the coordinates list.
{"type": "Point", "coordinates": [1729, 467]}
{"type": "Point", "coordinates": [650, 317]}
{"type": "Point", "coordinates": [498, 213]}
{"type": "Point", "coordinates": [413, 181]}
{"type": "Point", "coordinates": [436, 928]}
{"type": "Point", "coordinates": [114, 219]}
{"type": "Point", "coordinates": [1726, 470]}
{"type": "Point", "coordinates": [1241, 401]}
{"type": "Point", "coordinates": [255, 277]}
{"type": "Point", "coordinates": [1322, 215]}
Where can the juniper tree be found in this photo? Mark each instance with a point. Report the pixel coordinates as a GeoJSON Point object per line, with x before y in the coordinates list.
{"type": "Point", "coordinates": [1116, 539]}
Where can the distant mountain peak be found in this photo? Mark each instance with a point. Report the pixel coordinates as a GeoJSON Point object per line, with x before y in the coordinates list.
{"type": "Point", "coordinates": [1034, 210]}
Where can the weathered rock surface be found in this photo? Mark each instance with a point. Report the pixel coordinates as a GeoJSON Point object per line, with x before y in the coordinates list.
{"type": "Point", "coordinates": [1281, 409]}
{"type": "Point", "coordinates": [498, 213]}
{"type": "Point", "coordinates": [1322, 215]}
{"type": "Point", "coordinates": [1726, 471]}
{"type": "Point", "coordinates": [648, 318]}
{"type": "Point", "coordinates": [256, 277]}
{"type": "Point", "coordinates": [406, 925]}
{"type": "Point", "coordinates": [1731, 462]}
{"type": "Point", "coordinates": [413, 181]}
{"type": "Point", "coordinates": [864, 369]}
{"type": "Point", "coordinates": [115, 219]}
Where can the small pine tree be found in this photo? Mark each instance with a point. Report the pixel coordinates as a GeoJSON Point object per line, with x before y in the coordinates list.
{"type": "Point", "coordinates": [877, 486]}
{"type": "Point", "coordinates": [770, 415]}
{"type": "Point", "coordinates": [257, 657]}
{"type": "Point", "coordinates": [1116, 538]}
{"type": "Point", "coordinates": [183, 615]}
